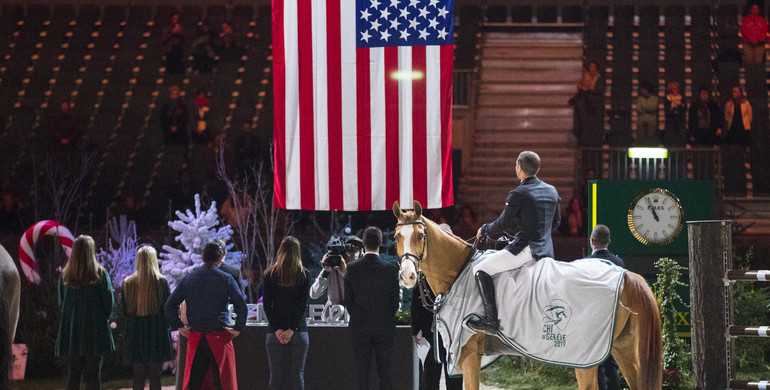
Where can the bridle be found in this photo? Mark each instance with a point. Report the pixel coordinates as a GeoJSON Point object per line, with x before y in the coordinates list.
{"type": "Point", "coordinates": [431, 304]}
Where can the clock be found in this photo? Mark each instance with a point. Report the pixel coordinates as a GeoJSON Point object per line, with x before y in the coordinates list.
{"type": "Point", "coordinates": [655, 217]}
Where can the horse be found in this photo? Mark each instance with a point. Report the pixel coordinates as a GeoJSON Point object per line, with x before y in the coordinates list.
{"type": "Point", "coordinates": [427, 252]}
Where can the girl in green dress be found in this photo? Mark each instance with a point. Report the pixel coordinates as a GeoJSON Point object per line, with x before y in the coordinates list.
{"type": "Point", "coordinates": [148, 341]}
{"type": "Point", "coordinates": [85, 300]}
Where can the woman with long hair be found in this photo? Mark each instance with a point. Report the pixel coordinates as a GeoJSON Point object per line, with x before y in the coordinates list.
{"type": "Point", "coordinates": [286, 287]}
{"type": "Point", "coordinates": [148, 341]}
{"type": "Point", "coordinates": [86, 301]}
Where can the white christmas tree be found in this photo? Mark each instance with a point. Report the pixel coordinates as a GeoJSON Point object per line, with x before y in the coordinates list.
{"type": "Point", "coordinates": [119, 261]}
{"type": "Point", "coordinates": [195, 231]}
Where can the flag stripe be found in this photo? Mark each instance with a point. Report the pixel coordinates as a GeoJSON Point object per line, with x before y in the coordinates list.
{"type": "Point", "coordinates": [405, 140]}
{"type": "Point", "coordinates": [433, 125]}
{"type": "Point", "coordinates": [378, 175]}
{"type": "Point", "coordinates": [291, 138]}
{"type": "Point", "coordinates": [321, 122]}
{"type": "Point", "coordinates": [363, 93]}
{"type": "Point", "coordinates": [306, 111]}
{"type": "Point", "coordinates": [447, 58]}
{"type": "Point", "coordinates": [419, 120]}
{"type": "Point", "coordinates": [392, 189]}
{"type": "Point", "coordinates": [279, 107]}
{"type": "Point", "coordinates": [334, 70]}
{"type": "Point", "coordinates": [348, 82]}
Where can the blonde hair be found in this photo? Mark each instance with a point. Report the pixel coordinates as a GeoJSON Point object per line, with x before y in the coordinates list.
{"type": "Point", "coordinates": [288, 267]}
{"type": "Point", "coordinates": [142, 286]}
{"type": "Point", "coordinates": [81, 268]}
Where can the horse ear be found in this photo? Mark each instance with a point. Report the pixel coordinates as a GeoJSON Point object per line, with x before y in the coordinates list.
{"type": "Point", "coordinates": [417, 209]}
{"type": "Point", "coordinates": [396, 210]}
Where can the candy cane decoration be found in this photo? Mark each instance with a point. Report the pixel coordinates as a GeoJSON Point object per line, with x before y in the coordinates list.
{"type": "Point", "coordinates": [29, 239]}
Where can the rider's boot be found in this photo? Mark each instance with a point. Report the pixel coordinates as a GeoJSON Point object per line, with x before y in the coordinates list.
{"type": "Point", "coordinates": [489, 324]}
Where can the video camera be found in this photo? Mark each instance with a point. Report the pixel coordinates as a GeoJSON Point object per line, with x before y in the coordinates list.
{"type": "Point", "coordinates": [335, 247]}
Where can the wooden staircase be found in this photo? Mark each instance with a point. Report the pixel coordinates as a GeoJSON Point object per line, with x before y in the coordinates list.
{"type": "Point", "coordinates": [526, 81]}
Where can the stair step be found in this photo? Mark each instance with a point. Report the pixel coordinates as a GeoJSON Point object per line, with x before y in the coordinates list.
{"type": "Point", "coordinates": [484, 123]}
{"type": "Point", "coordinates": [515, 76]}
{"type": "Point", "coordinates": [565, 65]}
{"type": "Point", "coordinates": [528, 88]}
{"type": "Point", "coordinates": [533, 38]}
{"type": "Point", "coordinates": [527, 112]}
{"type": "Point", "coordinates": [534, 52]}
{"type": "Point", "coordinates": [519, 100]}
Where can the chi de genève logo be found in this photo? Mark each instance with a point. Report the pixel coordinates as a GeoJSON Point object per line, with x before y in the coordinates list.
{"type": "Point", "coordinates": [556, 317]}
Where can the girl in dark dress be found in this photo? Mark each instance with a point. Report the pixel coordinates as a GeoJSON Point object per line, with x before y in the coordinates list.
{"type": "Point", "coordinates": [85, 300]}
{"type": "Point", "coordinates": [286, 288]}
{"type": "Point", "coordinates": [148, 341]}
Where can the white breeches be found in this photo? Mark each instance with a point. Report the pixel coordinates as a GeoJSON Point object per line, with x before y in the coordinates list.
{"type": "Point", "coordinates": [502, 261]}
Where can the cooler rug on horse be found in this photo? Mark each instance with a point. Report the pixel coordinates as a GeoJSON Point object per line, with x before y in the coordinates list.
{"type": "Point", "coordinates": [551, 311]}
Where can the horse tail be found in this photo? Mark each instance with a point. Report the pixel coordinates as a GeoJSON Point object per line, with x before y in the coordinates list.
{"type": "Point", "coordinates": [648, 324]}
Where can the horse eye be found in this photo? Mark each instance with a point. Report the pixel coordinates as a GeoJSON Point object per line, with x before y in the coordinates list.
{"type": "Point", "coordinates": [420, 236]}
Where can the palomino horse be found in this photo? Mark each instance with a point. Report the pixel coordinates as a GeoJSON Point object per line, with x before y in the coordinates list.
{"type": "Point", "coordinates": [423, 247]}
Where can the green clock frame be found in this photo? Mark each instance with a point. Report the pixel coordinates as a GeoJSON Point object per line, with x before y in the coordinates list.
{"type": "Point", "coordinates": [609, 201]}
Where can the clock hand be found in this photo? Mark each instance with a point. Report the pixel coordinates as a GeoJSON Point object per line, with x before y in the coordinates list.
{"type": "Point", "coordinates": [649, 206]}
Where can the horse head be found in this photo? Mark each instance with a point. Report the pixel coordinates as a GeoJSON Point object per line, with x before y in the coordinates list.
{"type": "Point", "coordinates": [411, 242]}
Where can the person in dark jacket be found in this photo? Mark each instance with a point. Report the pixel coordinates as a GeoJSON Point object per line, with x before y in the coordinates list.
{"type": "Point", "coordinates": [207, 292]}
{"type": "Point", "coordinates": [675, 111]}
{"type": "Point", "coordinates": [534, 208]}
{"type": "Point", "coordinates": [86, 303]}
{"type": "Point", "coordinates": [371, 297]}
{"type": "Point", "coordinates": [600, 240]}
{"type": "Point", "coordinates": [705, 124]}
{"type": "Point", "coordinates": [430, 376]}
{"type": "Point", "coordinates": [173, 119]}
{"type": "Point", "coordinates": [286, 287]}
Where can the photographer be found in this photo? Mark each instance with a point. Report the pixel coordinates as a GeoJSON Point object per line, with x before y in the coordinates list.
{"type": "Point", "coordinates": [332, 276]}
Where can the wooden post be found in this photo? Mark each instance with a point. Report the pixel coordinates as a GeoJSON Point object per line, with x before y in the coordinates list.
{"type": "Point", "coordinates": [710, 244]}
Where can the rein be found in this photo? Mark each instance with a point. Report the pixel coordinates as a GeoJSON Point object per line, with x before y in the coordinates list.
{"type": "Point", "coordinates": [433, 305]}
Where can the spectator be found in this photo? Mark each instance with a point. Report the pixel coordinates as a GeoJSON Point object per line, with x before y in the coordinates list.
{"type": "Point", "coordinates": [9, 211]}
{"type": "Point", "coordinates": [589, 107]}
{"type": "Point", "coordinates": [286, 285]}
{"type": "Point", "coordinates": [173, 45]}
{"type": "Point", "coordinates": [738, 116]}
{"type": "Point", "coordinates": [86, 302]}
{"type": "Point", "coordinates": [674, 135]}
{"type": "Point", "coordinates": [575, 217]}
{"type": "Point", "coordinates": [705, 120]}
{"type": "Point", "coordinates": [754, 32]}
{"type": "Point", "coordinates": [126, 205]}
{"type": "Point", "coordinates": [203, 53]}
{"type": "Point", "coordinates": [647, 116]}
{"type": "Point", "coordinates": [202, 134]}
{"type": "Point", "coordinates": [66, 129]}
{"type": "Point", "coordinates": [467, 226]}
{"type": "Point", "coordinates": [173, 119]}
{"type": "Point", "coordinates": [248, 149]}
{"type": "Point", "coordinates": [148, 341]}
{"type": "Point", "coordinates": [600, 239]}
{"type": "Point", "coordinates": [372, 298]}
{"type": "Point", "coordinates": [207, 292]}
{"type": "Point", "coordinates": [183, 194]}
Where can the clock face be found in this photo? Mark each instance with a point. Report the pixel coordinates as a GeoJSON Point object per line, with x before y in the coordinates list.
{"type": "Point", "coordinates": [655, 217]}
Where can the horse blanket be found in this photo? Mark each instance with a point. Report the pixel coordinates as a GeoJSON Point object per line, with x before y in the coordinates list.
{"type": "Point", "coordinates": [551, 311]}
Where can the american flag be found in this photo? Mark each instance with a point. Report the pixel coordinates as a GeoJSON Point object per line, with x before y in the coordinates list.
{"type": "Point", "coordinates": [363, 99]}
